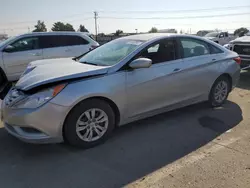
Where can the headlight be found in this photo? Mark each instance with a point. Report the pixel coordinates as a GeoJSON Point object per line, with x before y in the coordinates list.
{"type": "Point", "coordinates": [38, 99]}
{"type": "Point", "coordinates": [228, 46]}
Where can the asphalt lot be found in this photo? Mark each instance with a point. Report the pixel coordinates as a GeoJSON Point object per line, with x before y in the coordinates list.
{"type": "Point", "coordinates": [196, 146]}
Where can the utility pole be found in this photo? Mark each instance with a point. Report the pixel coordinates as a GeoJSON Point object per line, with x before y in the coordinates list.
{"type": "Point", "coordinates": [95, 16]}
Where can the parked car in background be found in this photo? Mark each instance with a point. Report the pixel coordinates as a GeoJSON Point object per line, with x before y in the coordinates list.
{"type": "Point", "coordinates": [202, 33]}
{"type": "Point", "coordinates": [241, 45]}
{"type": "Point", "coordinates": [17, 52]}
{"type": "Point", "coordinates": [125, 80]}
{"type": "Point", "coordinates": [221, 38]}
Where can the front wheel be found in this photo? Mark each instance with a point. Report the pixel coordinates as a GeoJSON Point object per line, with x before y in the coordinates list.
{"type": "Point", "coordinates": [219, 92]}
{"type": "Point", "coordinates": [89, 123]}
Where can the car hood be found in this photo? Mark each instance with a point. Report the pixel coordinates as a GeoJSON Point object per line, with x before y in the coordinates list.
{"type": "Point", "coordinates": [241, 39]}
{"type": "Point", "coordinates": [210, 38]}
{"type": "Point", "coordinates": [53, 70]}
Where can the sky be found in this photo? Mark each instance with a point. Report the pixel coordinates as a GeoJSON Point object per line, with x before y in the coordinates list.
{"type": "Point", "coordinates": [20, 16]}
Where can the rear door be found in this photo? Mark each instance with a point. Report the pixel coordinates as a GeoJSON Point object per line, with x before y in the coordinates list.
{"type": "Point", "coordinates": [23, 51]}
{"type": "Point", "coordinates": [199, 67]}
{"type": "Point", "coordinates": [55, 46]}
{"type": "Point", "coordinates": [77, 45]}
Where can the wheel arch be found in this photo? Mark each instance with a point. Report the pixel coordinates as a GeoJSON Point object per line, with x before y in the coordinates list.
{"type": "Point", "coordinates": [229, 77]}
{"type": "Point", "coordinates": [3, 74]}
{"type": "Point", "coordinates": [109, 101]}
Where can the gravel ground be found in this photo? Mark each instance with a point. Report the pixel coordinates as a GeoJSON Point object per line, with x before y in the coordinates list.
{"type": "Point", "coordinates": [191, 147]}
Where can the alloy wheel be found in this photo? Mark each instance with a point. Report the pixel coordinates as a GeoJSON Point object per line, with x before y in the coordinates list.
{"type": "Point", "coordinates": [92, 125]}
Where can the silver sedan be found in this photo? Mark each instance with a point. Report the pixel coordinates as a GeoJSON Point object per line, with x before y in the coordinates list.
{"type": "Point", "coordinates": [82, 100]}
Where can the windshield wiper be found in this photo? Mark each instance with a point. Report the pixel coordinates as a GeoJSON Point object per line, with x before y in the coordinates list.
{"type": "Point", "coordinates": [88, 63]}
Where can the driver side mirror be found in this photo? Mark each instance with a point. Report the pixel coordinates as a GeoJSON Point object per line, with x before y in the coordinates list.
{"type": "Point", "coordinates": [8, 49]}
{"type": "Point", "coordinates": [141, 63]}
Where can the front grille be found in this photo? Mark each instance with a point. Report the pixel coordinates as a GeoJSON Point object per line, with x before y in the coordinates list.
{"type": "Point", "coordinates": [242, 49]}
{"type": "Point", "coordinates": [245, 63]}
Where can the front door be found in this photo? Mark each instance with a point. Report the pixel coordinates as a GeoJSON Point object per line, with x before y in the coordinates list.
{"type": "Point", "coordinates": [19, 54]}
{"type": "Point", "coordinates": [152, 88]}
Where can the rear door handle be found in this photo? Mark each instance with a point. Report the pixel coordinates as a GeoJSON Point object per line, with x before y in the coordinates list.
{"type": "Point", "coordinates": [176, 70]}
{"type": "Point", "coordinates": [214, 60]}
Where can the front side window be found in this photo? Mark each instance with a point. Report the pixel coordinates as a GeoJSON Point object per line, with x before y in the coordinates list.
{"type": "Point", "coordinates": [111, 53]}
{"type": "Point", "coordinates": [162, 51]}
{"type": "Point", "coordinates": [194, 47]}
{"type": "Point", "coordinates": [25, 44]}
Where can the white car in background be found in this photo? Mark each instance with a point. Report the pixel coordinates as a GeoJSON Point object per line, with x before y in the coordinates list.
{"type": "Point", "coordinates": [221, 38]}
{"type": "Point", "coordinates": [17, 52]}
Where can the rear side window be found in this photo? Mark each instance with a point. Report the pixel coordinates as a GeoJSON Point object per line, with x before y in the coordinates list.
{"type": "Point", "coordinates": [75, 40]}
{"type": "Point", "coordinates": [194, 47]}
{"type": "Point", "coordinates": [215, 50]}
{"type": "Point", "coordinates": [61, 41]}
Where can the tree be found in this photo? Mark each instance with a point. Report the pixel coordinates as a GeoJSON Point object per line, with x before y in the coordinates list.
{"type": "Point", "coordinates": [59, 26]}
{"type": "Point", "coordinates": [241, 31]}
{"type": "Point", "coordinates": [40, 26]}
{"type": "Point", "coordinates": [181, 32]}
{"type": "Point", "coordinates": [82, 28]}
{"type": "Point", "coordinates": [118, 32]}
{"type": "Point", "coordinates": [153, 30]}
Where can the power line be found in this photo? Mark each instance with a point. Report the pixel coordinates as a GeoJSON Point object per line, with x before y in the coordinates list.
{"type": "Point", "coordinates": [184, 17]}
{"type": "Point", "coordinates": [138, 12]}
{"type": "Point", "coordinates": [177, 11]}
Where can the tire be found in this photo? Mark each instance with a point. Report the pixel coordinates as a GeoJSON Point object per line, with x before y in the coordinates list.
{"type": "Point", "coordinates": [219, 92]}
{"type": "Point", "coordinates": [80, 123]}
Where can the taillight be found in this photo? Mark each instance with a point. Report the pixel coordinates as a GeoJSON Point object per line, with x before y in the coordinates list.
{"type": "Point", "coordinates": [237, 60]}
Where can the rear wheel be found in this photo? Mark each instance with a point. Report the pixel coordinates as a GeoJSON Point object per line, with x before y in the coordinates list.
{"type": "Point", "coordinates": [90, 123]}
{"type": "Point", "coordinates": [219, 92]}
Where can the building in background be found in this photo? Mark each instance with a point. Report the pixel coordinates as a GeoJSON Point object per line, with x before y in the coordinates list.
{"type": "Point", "coordinates": [167, 31]}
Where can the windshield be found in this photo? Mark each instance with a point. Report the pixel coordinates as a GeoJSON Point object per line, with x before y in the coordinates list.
{"type": "Point", "coordinates": [2, 43]}
{"type": "Point", "coordinates": [213, 34]}
{"type": "Point", "coordinates": [111, 53]}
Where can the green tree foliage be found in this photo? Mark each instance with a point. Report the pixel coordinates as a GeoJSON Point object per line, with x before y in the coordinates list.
{"type": "Point", "coordinates": [59, 26]}
{"type": "Point", "coordinates": [82, 28]}
{"type": "Point", "coordinates": [241, 31]}
{"type": "Point", "coordinates": [40, 26]}
{"type": "Point", "coordinates": [153, 30]}
{"type": "Point", "coordinates": [118, 32]}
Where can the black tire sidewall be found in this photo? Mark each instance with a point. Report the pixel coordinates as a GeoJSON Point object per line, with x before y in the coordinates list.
{"type": "Point", "coordinates": [212, 100]}
{"type": "Point", "coordinates": [69, 129]}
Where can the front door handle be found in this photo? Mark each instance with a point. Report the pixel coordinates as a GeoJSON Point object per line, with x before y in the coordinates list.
{"type": "Point", "coordinates": [176, 70]}
{"type": "Point", "coordinates": [68, 50]}
{"type": "Point", "coordinates": [35, 54]}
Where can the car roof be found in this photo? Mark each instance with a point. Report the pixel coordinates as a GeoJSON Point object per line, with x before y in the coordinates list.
{"type": "Point", "coordinates": [52, 33]}
{"type": "Point", "coordinates": [158, 36]}
{"type": "Point", "coordinates": [149, 36]}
